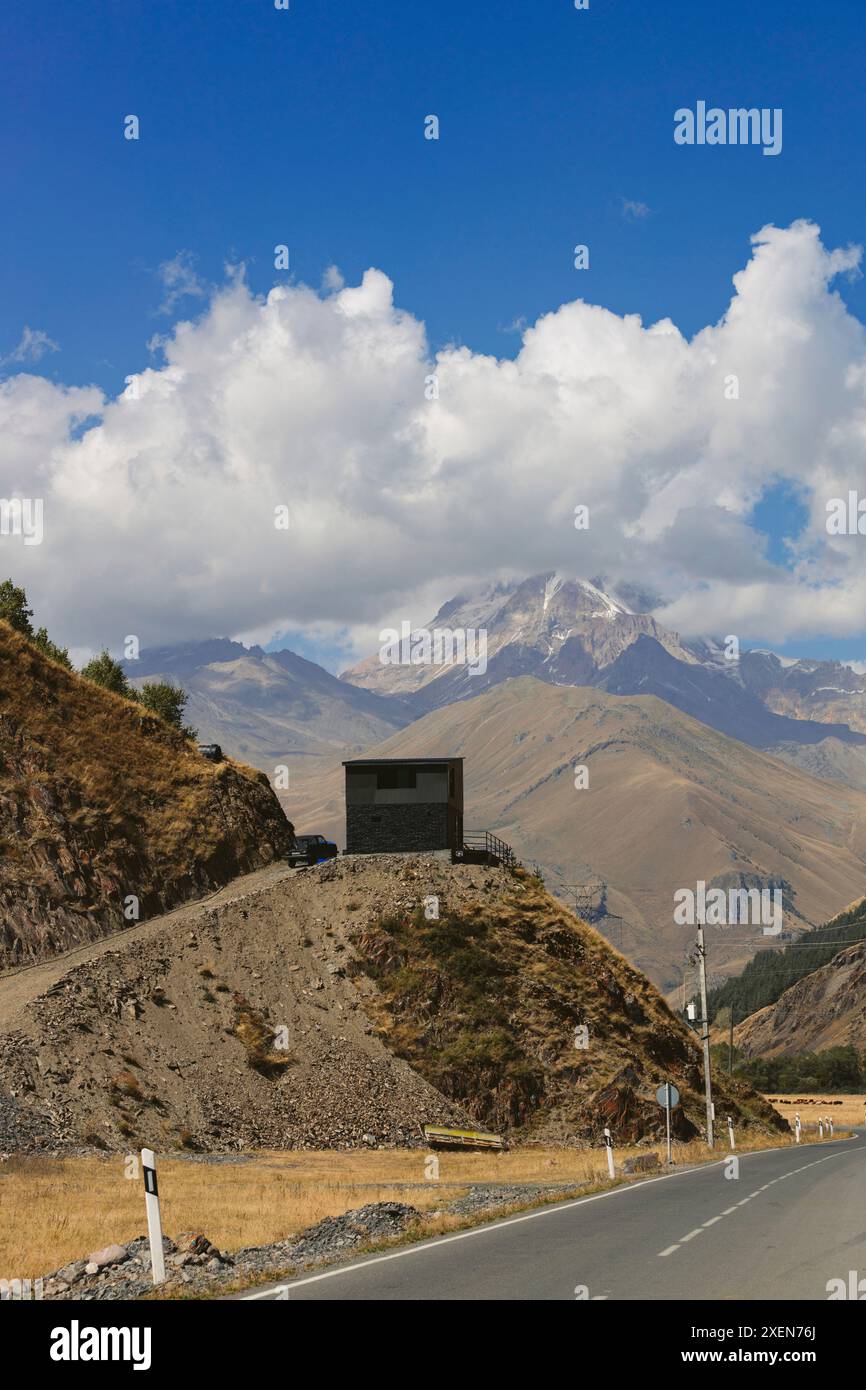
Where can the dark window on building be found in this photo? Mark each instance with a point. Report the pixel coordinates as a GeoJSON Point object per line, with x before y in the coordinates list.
{"type": "Point", "coordinates": [389, 779]}
{"type": "Point", "coordinates": [452, 783]}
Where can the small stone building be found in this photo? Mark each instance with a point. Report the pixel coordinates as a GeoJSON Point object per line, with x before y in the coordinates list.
{"type": "Point", "coordinates": [397, 805]}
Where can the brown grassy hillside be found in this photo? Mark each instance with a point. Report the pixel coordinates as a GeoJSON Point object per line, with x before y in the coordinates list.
{"type": "Point", "coordinates": [100, 800]}
{"type": "Point", "coordinates": [484, 1003]}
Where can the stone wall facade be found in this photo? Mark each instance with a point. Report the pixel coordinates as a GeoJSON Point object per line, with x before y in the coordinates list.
{"type": "Point", "coordinates": [397, 829]}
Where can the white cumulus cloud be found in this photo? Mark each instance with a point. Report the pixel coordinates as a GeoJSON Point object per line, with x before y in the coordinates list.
{"type": "Point", "coordinates": [407, 473]}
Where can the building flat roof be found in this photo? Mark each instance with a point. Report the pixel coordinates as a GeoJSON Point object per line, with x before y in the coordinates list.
{"type": "Point", "coordinates": [377, 762]}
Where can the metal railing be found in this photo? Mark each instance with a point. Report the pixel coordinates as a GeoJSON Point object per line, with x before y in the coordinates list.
{"type": "Point", "coordinates": [482, 841]}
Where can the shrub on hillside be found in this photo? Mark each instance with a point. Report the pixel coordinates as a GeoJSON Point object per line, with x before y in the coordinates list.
{"type": "Point", "coordinates": [15, 609]}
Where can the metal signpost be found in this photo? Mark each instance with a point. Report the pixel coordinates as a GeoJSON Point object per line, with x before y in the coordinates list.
{"type": "Point", "coordinates": [668, 1096]}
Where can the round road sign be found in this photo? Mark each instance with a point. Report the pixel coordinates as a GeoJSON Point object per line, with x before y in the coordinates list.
{"type": "Point", "coordinates": [662, 1098]}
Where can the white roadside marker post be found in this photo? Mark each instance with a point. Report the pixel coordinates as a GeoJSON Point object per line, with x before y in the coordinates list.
{"type": "Point", "coordinates": [608, 1143]}
{"type": "Point", "coordinates": [820, 1129]}
{"type": "Point", "coordinates": [797, 1128]}
{"type": "Point", "coordinates": [830, 1123]}
{"type": "Point", "coordinates": [731, 1132]}
{"type": "Point", "coordinates": [154, 1223]}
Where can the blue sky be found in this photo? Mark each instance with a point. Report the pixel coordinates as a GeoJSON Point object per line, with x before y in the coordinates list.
{"type": "Point", "coordinates": [305, 127]}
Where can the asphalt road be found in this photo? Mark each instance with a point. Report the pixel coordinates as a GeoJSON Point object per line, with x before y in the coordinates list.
{"type": "Point", "coordinates": [792, 1220]}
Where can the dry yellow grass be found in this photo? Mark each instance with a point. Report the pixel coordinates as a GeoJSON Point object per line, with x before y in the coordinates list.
{"type": "Point", "coordinates": [56, 1210]}
{"type": "Point", "coordinates": [851, 1111]}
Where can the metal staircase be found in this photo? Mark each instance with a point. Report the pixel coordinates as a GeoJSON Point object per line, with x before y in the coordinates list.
{"type": "Point", "coordinates": [483, 847]}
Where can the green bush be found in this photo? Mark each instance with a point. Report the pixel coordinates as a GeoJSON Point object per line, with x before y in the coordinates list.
{"type": "Point", "coordinates": [18, 614]}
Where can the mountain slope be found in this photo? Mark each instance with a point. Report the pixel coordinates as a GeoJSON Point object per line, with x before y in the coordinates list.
{"type": "Point", "coordinates": [826, 1008]}
{"type": "Point", "coordinates": [832, 759]}
{"type": "Point", "coordinates": [270, 707]}
{"type": "Point", "coordinates": [100, 802]}
{"type": "Point", "coordinates": [770, 974]}
{"type": "Point", "coordinates": [669, 802]}
{"type": "Point", "coordinates": [717, 699]}
{"type": "Point", "coordinates": [826, 691]}
{"type": "Point", "coordinates": [167, 1035]}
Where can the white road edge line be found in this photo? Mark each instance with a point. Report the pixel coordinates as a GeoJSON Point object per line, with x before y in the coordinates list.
{"type": "Point", "coordinates": [498, 1226]}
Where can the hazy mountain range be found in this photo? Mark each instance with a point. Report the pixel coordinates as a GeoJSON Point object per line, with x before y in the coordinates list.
{"type": "Point", "coordinates": [669, 802]}
{"type": "Point", "coordinates": [270, 708]}
{"type": "Point", "coordinates": [675, 794]}
{"type": "Point", "coordinates": [570, 632]}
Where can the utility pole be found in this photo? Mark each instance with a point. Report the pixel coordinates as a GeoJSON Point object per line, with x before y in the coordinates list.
{"type": "Point", "coordinates": [705, 1030]}
{"type": "Point", "coordinates": [688, 961]}
{"type": "Point", "coordinates": [613, 917]}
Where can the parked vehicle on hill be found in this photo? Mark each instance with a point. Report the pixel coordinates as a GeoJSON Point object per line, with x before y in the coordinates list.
{"type": "Point", "coordinates": [211, 751]}
{"type": "Point", "coordinates": [311, 849]}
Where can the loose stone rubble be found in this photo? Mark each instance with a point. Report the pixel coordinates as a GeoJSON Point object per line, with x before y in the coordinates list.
{"type": "Point", "coordinates": [194, 1266]}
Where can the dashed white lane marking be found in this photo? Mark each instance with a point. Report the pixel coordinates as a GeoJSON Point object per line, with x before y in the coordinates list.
{"type": "Point", "coordinates": [494, 1226]}
{"type": "Point", "coordinates": [729, 1211]}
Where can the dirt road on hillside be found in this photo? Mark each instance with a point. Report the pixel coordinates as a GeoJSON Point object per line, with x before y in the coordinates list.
{"type": "Point", "coordinates": [19, 987]}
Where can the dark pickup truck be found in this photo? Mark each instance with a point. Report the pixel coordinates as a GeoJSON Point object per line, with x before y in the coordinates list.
{"type": "Point", "coordinates": [311, 849]}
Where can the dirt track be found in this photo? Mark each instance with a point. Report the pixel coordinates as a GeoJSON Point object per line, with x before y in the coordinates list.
{"type": "Point", "coordinates": [146, 1035]}
{"type": "Point", "coordinates": [21, 986]}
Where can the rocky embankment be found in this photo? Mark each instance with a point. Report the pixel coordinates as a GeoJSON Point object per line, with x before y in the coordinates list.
{"type": "Point", "coordinates": [321, 1008]}
{"type": "Point", "coordinates": [231, 1024]}
{"type": "Point", "coordinates": [194, 1266]}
